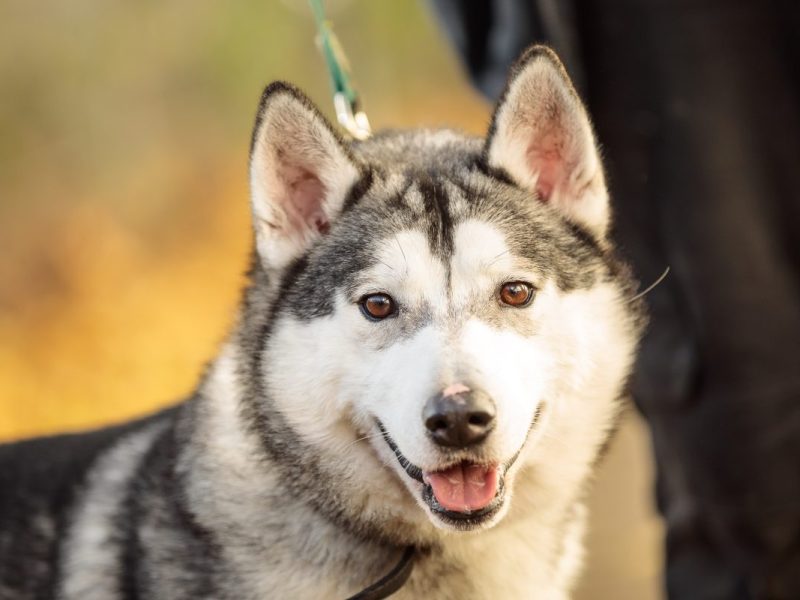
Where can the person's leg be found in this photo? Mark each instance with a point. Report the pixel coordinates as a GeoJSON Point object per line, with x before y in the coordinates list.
{"type": "Point", "coordinates": [696, 103]}
{"type": "Point", "coordinates": [490, 34]}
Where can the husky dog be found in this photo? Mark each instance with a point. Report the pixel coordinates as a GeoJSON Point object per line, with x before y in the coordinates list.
{"type": "Point", "coordinates": [430, 354]}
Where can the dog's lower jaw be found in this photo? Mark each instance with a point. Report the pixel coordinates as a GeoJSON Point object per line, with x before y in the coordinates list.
{"type": "Point", "coordinates": [418, 484]}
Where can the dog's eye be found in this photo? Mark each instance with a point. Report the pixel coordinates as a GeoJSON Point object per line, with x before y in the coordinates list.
{"type": "Point", "coordinates": [516, 293]}
{"type": "Point", "coordinates": [377, 306]}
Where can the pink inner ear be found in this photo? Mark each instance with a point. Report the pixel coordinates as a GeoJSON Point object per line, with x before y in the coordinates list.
{"type": "Point", "coordinates": [546, 157]}
{"type": "Point", "coordinates": [304, 205]}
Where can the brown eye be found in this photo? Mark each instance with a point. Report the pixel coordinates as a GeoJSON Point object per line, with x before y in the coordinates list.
{"type": "Point", "coordinates": [377, 306]}
{"type": "Point", "coordinates": [516, 293]}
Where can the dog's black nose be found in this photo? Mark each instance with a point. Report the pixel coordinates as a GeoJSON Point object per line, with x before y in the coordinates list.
{"type": "Point", "coordinates": [461, 419]}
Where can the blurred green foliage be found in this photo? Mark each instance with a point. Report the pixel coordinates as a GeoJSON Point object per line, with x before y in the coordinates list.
{"type": "Point", "coordinates": [90, 88]}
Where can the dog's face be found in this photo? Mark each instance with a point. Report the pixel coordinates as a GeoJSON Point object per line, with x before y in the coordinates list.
{"type": "Point", "coordinates": [444, 307]}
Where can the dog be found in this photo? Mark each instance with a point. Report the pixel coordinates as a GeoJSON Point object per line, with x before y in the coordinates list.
{"type": "Point", "coordinates": [429, 357]}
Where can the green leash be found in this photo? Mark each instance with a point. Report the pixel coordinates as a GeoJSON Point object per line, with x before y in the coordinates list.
{"type": "Point", "coordinates": [345, 98]}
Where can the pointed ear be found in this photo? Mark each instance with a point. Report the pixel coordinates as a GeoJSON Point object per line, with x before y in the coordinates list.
{"type": "Point", "coordinates": [300, 173]}
{"type": "Point", "coordinates": [541, 136]}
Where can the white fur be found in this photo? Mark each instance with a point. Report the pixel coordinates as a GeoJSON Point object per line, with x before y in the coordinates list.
{"type": "Point", "coordinates": [291, 138]}
{"type": "Point", "coordinates": [330, 377]}
{"type": "Point", "coordinates": [511, 560]}
{"type": "Point", "coordinates": [564, 357]}
{"type": "Point", "coordinates": [572, 363]}
{"type": "Point", "coordinates": [542, 110]}
{"type": "Point", "coordinates": [91, 554]}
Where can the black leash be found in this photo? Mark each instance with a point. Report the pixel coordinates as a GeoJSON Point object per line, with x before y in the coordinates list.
{"type": "Point", "coordinates": [392, 581]}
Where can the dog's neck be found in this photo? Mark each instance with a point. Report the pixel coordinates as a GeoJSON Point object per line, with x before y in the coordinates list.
{"type": "Point", "coordinates": [271, 539]}
{"type": "Point", "coordinates": [238, 493]}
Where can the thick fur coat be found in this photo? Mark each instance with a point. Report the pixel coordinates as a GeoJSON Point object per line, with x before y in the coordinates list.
{"type": "Point", "coordinates": [388, 276]}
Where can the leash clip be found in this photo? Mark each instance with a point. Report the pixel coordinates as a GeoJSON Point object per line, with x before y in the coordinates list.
{"type": "Point", "coordinates": [345, 98]}
{"type": "Point", "coordinates": [355, 121]}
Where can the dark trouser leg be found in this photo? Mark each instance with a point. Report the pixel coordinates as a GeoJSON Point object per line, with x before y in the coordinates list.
{"type": "Point", "coordinates": [697, 105]}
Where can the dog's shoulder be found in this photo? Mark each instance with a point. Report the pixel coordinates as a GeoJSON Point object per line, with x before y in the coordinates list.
{"type": "Point", "coordinates": [40, 481]}
{"type": "Point", "coordinates": [49, 466]}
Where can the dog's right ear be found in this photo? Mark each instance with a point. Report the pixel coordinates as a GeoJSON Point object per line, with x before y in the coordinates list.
{"type": "Point", "coordinates": [541, 136]}
{"type": "Point", "coordinates": [300, 174]}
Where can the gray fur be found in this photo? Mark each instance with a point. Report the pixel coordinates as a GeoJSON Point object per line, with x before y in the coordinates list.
{"type": "Point", "coordinates": [227, 496]}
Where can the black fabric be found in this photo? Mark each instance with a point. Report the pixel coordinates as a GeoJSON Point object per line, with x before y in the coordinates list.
{"type": "Point", "coordinates": [490, 33]}
{"type": "Point", "coordinates": [697, 105]}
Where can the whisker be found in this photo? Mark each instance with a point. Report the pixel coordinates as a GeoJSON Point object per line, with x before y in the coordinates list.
{"type": "Point", "coordinates": [544, 434]}
{"type": "Point", "coordinates": [369, 436]}
{"type": "Point", "coordinates": [498, 257]}
{"type": "Point", "coordinates": [401, 251]}
{"type": "Point", "coordinates": [651, 287]}
{"type": "Point", "coordinates": [384, 264]}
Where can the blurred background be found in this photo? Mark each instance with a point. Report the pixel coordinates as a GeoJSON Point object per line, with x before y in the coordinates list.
{"type": "Point", "coordinates": [124, 224]}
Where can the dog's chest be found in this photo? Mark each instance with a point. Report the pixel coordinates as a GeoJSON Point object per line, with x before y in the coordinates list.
{"type": "Point", "coordinates": [507, 565]}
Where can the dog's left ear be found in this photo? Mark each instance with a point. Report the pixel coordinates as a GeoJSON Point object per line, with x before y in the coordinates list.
{"type": "Point", "coordinates": [300, 174]}
{"type": "Point", "coordinates": [541, 136]}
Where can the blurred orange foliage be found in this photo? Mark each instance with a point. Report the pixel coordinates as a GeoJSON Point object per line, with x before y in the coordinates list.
{"type": "Point", "coordinates": [124, 218]}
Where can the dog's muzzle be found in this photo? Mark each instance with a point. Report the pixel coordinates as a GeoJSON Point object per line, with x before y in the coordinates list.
{"type": "Point", "coordinates": [464, 495]}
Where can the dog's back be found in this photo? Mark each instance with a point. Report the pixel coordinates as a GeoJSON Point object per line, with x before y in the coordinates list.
{"type": "Point", "coordinates": [42, 484]}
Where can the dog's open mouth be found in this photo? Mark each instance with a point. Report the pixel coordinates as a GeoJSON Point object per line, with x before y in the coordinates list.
{"type": "Point", "coordinates": [465, 493]}
{"type": "Point", "coordinates": [465, 487]}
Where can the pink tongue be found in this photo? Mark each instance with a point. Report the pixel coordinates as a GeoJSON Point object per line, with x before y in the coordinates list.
{"type": "Point", "coordinates": [464, 487]}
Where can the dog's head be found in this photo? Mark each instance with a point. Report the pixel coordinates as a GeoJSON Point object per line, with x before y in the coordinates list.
{"type": "Point", "coordinates": [446, 313]}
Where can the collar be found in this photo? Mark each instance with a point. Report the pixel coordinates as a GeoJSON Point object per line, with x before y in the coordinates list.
{"type": "Point", "coordinates": [392, 581]}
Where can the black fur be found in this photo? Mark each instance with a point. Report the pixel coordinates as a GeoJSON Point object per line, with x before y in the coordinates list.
{"type": "Point", "coordinates": [40, 482]}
